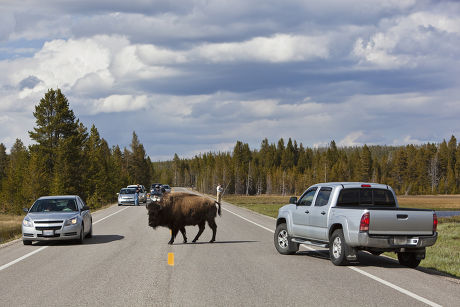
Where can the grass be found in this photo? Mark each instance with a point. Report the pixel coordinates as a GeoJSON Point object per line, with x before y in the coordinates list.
{"type": "Point", "coordinates": [436, 202]}
{"type": "Point", "coordinates": [444, 256]}
{"type": "Point", "coordinates": [10, 227]}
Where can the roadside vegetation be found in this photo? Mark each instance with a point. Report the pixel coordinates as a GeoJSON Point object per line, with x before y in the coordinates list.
{"type": "Point", "coordinates": [444, 256]}
{"type": "Point", "coordinates": [10, 227]}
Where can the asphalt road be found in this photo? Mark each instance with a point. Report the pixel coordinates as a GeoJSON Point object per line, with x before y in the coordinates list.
{"type": "Point", "coordinates": [126, 264]}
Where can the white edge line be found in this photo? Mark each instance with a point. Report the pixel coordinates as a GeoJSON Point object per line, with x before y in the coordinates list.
{"type": "Point", "coordinates": [22, 258]}
{"type": "Point", "coordinates": [386, 283]}
{"type": "Point", "coordinates": [43, 247]}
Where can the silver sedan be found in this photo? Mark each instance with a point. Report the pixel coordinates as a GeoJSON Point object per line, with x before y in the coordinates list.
{"type": "Point", "coordinates": [57, 218]}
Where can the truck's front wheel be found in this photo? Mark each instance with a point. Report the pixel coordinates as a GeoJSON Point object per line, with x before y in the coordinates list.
{"type": "Point", "coordinates": [408, 259]}
{"type": "Point", "coordinates": [283, 243]}
{"type": "Point", "coordinates": [337, 248]}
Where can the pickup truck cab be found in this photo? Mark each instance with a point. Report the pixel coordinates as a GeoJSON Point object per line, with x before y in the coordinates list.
{"type": "Point", "coordinates": [350, 216]}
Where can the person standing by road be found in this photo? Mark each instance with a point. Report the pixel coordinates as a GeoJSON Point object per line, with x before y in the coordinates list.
{"type": "Point", "coordinates": [136, 195]}
{"type": "Point", "coordinates": [220, 190]}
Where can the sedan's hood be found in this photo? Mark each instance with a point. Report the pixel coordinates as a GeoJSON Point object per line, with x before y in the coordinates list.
{"type": "Point", "coordinates": [52, 215]}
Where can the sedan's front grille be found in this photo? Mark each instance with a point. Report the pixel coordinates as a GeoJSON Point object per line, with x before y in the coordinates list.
{"type": "Point", "coordinates": [48, 222]}
{"type": "Point", "coordinates": [48, 227]}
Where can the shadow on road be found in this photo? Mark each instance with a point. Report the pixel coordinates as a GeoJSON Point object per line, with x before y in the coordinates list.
{"type": "Point", "coordinates": [367, 260]}
{"type": "Point", "coordinates": [216, 242]}
{"type": "Point", "coordinates": [96, 239]}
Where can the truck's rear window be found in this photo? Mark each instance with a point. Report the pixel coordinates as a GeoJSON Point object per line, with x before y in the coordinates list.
{"type": "Point", "coordinates": [366, 197]}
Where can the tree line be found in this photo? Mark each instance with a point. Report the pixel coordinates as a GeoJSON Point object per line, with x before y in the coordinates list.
{"type": "Point", "coordinates": [67, 159]}
{"type": "Point", "coordinates": [289, 168]}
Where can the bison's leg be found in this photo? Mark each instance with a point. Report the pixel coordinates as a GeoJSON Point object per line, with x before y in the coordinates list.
{"type": "Point", "coordinates": [174, 232]}
{"type": "Point", "coordinates": [200, 231]}
{"type": "Point", "coordinates": [182, 230]}
{"type": "Point", "coordinates": [213, 226]}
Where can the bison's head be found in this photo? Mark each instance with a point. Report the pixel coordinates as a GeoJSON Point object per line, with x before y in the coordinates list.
{"type": "Point", "coordinates": [154, 214]}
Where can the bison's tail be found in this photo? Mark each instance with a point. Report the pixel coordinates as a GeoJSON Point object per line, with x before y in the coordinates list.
{"type": "Point", "coordinates": [218, 210]}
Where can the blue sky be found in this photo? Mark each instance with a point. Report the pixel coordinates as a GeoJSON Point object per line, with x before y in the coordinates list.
{"type": "Point", "coordinates": [196, 76]}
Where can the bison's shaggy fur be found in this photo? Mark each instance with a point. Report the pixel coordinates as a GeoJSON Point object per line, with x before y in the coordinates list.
{"type": "Point", "coordinates": [177, 210]}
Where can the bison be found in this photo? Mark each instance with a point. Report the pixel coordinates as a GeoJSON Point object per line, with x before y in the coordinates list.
{"type": "Point", "coordinates": [177, 210]}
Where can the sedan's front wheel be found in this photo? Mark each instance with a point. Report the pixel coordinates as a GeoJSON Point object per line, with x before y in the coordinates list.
{"type": "Point", "coordinates": [82, 234]}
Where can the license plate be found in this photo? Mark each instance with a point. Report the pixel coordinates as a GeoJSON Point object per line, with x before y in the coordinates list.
{"type": "Point", "coordinates": [48, 233]}
{"type": "Point", "coordinates": [400, 241]}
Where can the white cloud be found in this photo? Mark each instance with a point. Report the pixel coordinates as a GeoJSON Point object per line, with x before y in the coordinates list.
{"type": "Point", "coordinates": [408, 41]}
{"type": "Point", "coordinates": [275, 49]}
{"type": "Point", "coordinates": [119, 103]}
{"type": "Point", "coordinates": [351, 139]}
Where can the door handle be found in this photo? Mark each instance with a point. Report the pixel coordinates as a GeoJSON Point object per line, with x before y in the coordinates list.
{"type": "Point", "coordinates": [323, 212]}
{"type": "Point", "coordinates": [307, 212]}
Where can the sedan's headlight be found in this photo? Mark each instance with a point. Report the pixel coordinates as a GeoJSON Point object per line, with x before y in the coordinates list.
{"type": "Point", "coordinates": [71, 221]}
{"type": "Point", "coordinates": [27, 222]}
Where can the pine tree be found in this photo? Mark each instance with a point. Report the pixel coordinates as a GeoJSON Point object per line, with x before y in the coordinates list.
{"type": "Point", "coordinates": [3, 163]}
{"type": "Point", "coordinates": [59, 142]}
{"type": "Point", "coordinates": [12, 193]}
{"type": "Point", "coordinates": [366, 164]}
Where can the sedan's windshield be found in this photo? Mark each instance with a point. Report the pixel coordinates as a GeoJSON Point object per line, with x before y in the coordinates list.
{"type": "Point", "coordinates": [127, 191]}
{"type": "Point", "coordinates": [54, 205]}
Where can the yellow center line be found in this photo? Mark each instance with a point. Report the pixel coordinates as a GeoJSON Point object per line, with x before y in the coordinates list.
{"type": "Point", "coordinates": [171, 259]}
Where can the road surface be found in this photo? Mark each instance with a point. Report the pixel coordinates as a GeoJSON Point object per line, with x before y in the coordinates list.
{"type": "Point", "coordinates": [126, 263]}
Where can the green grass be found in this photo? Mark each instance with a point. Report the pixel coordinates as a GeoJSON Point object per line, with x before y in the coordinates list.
{"type": "Point", "coordinates": [444, 256]}
{"type": "Point", "coordinates": [264, 204]}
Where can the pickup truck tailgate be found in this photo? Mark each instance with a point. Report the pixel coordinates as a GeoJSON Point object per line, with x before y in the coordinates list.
{"type": "Point", "coordinates": [400, 222]}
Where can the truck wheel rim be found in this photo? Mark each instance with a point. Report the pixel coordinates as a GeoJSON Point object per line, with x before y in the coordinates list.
{"type": "Point", "coordinates": [337, 247]}
{"type": "Point", "coordinates": [282, 239]}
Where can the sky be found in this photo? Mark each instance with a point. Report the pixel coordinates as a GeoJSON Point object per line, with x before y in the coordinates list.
{"type": "Point", "coordinates": [191, 77]}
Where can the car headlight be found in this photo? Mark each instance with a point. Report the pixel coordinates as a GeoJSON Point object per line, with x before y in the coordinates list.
{"type": "Point", "coordinates": [27, 222]}
{"type": "Point", "coordinates": [71, 221]}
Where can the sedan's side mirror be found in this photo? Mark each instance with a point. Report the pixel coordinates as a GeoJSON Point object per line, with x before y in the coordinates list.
{"type": "Point", "coordinates": [85, 208]}
{"type": "Point", "coordinates": [293, 200]}
{"type": "Point", "coordinates": [25, 210]}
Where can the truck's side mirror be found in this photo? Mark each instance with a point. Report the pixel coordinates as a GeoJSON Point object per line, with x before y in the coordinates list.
{"type": "Point", "coordinates": [293, 200]}
{"type": "Point", "coordinates": [25, 210]}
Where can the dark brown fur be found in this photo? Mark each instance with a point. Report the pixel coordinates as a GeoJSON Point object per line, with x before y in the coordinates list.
{"type": "Point", "coordinates": [177, 210]}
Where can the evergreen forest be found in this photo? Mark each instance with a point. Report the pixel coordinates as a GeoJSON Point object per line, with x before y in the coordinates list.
{"type": "Point", "coordinates": [68, 158]}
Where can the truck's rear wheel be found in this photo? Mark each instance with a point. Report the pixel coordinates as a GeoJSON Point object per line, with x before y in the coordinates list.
{"type": "Point", "coordinates": [408, 259]}
{"type": "Point", "coordinates": [283, 243]}
{"type": "Point", "coordinates": [338, 248]}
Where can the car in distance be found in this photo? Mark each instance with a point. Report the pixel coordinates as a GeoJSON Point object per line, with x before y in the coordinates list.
{"type": "Point", "coordinates": [350, 216]}
{"type": "Point", "coordinates": [126, 196]}
{"type": "Point", "coordinates": [57, 218]}
{"type": "Point", "coordinates": [167, 188]}
{"type": "Point", "coordinates": [142, 193]}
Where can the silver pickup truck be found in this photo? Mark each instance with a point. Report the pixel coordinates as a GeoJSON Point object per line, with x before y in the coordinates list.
{"type": "Point", "coordinates": [351, 216]}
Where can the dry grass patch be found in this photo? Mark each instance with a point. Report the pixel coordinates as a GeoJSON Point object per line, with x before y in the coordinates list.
{"type": "Point", "coordinates": [10, 227]}
{"type": "Point", "coordinates": [436, 202]}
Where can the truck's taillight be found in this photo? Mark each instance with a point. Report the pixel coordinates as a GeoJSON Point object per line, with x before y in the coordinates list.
{"type": "Point", "coordinates": [364, 225]}
{"type": "Point", "coordinates": [435, 222]}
